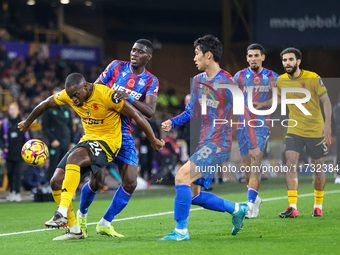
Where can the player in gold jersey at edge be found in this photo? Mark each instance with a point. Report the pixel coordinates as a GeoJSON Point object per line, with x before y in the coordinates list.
{"type": "Point", "coordinates": [305, 131]}
{"type": "Point", "coordinates": [100, 113]}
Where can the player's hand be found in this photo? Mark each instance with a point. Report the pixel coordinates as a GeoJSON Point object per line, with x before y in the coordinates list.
{"type": "Point", "coordinates": [255, 153]}
{"type": "Point", "coordinates": [258, 105]}
{"type": "Point", "coordinates": [327, 133]}
{"type": "Point", "coordinates": [120, 95]}
{"type": "Point", "coordinates": [272, 84]}
{"type": "Point", "coordinates": [157, 145]}
{"type": "Point", "coordinates": [167, 125]}
{"type": "Point", "coordinates": [23, 126]}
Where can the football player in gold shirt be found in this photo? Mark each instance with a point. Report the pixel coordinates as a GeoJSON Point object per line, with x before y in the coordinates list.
{"type": "Point", "coordinates": [100, 114]}
{"type": "Point", "coordinates": [305, 131]}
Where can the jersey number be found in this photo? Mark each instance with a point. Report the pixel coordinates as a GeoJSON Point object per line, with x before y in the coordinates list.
{"type": "Point", "coordinates": [204, 152]}
{"type": "Point", "coordinates": [96, 147]}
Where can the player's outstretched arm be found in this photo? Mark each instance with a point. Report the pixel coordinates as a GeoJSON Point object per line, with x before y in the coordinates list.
{"type": "Point", "coordinates": [327, 109]}
{"type": "Point", "coordinates": [37, 111]}
{"type": "Point", "coordinates": [148, 107]}
{"type": "Point", "coordinates": [141, 121]}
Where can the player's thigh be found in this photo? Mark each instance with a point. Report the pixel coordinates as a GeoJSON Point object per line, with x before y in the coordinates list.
{"type": "Point", "coordinates": [128, 172]}
{"type": "Point", "coordinates": [316, 147]}
{"type": "Point", "coordinates": [293, 147]}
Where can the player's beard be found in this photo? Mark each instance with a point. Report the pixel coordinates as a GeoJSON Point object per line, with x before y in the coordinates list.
{"type": "Point", "coordinates": [255, 69]}
{"type": "Point", "coordinates": [291, 72]}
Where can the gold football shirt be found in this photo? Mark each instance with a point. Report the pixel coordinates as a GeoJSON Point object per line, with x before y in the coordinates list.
{"type": "Point", "coordinates": [307, 125]}
{"type": "Point", "coordinates": [99, 115]}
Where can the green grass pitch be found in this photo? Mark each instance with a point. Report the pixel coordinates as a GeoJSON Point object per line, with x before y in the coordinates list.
{"type": "Point", "coordinates": [210, 231]}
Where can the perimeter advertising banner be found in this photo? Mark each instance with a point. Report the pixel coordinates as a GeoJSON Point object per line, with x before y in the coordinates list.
{"type": "Point", "coordinates": [302, 24]}
{"type": "Point", "coordinates": [89, 55]}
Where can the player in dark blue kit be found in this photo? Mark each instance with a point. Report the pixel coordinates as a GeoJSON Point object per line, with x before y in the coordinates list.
{"type": "Point", "coordinates": [257, 79]}
{"type": "Point", "coordinates": [214, 145]}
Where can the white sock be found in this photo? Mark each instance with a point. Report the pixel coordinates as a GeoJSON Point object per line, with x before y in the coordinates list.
{"type": "Point", "coordinates": [250, 206]}
{"type": "Point", "coordinates": [318, 206]}
{"type": "Point", "coordinates": [181, 231]}
{"type": "Point", "coordinates": [75, 229]}
{"type": "Point", "coordinates": [294, 206]}
{"type": "Point", "coordinates": [104, 223]}
{"type": "Point", "coordinates": [82, 215]}
{"type": "Point", "coordinates": [237, 207]}
{"type": "Point", "coordinates": [63, 210]}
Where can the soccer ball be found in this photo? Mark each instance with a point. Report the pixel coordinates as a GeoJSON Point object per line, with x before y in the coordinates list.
{"type": "Point", "coordinates": [34, 152]}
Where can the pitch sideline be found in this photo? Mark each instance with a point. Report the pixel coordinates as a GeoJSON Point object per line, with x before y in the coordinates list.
{"type": "Point", "coordinates": [164, 213]}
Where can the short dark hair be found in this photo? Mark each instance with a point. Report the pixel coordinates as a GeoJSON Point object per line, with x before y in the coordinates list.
{"type": "Point", "coordinates": [296, 52]}
{"type": "Point", "coordinates": [74, 79]}
{"type": "Point", "coordinates": [210, 43]}
{"type": "Point", "coordinates": [146, 42]}
{"type": "Point", "coordinates": [256, 46]}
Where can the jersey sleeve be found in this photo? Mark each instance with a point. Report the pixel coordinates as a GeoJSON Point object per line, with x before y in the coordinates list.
{"type": "Point", "coordinates": [319, 86]}
{"type": "Point", "coordinates": [106, 75]}
{"type": "Point", "coordinates": [183, 118]}
{"type": "Point", "coordinates": [153, 89]}
{"type": "Point", "coordinates": [61, 98]}
{"type": "Point", "coordinates": [237, 78]}
{"type": "Point", "coordinates": [110, 101]}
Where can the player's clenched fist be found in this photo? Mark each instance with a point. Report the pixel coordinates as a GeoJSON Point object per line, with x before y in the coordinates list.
{"type": "Point", "coordinates": [23, 126]}
{"type": "Point", "coordinates": [167, 125]}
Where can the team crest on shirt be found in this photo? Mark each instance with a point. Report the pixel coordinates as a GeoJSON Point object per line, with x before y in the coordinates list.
{"type": "Point", "coordinates": [264, 76]}
{"type": "Point", "coordinates": [141, 82]}
{"type": "Point", "coordinates": [131, 83]}
{"type": "Point", "coordinates": [88, 113]}
{"type": "Point", "coordinates": [257, 80]}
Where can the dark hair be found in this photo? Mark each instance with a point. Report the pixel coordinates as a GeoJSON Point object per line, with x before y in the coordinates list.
{"type": "Point", "coordinates": [210, 43]}
{"type": "Point", "coordinates": [255, 46]}
{"type": "Point", "coordinates": [296, 52]}
{"type": "Point", "coordinates": [74, 79]}
{"type": "Point", "coordinates": [146, 42]}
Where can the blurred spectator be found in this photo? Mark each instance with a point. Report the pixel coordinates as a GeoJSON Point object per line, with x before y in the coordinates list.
{"type": "Point", "coordinates": [336, 117]}
{"type": "Point", "coordinates": [11, 142]}
{"type": "Point", "coordinates": [145, 157]}
{"type": "Point", "coordinates": [3, 54]}
{"type": "Point", "coordinates": [168, 99]}
{"type": "Point", "coordinates": [35, 177]}
{"type": "Point", "coordinates": [57, 126]}
{"type": "Point", "coordinates": [170, 153]}
{"type": "Point", "coordinates": [184, 130]}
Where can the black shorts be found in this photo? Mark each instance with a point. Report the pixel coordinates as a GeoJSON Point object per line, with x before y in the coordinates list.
{"type": "Point", "coordinates": [99, 157]}
{"type": "Point", "coordinates": [315, 147]}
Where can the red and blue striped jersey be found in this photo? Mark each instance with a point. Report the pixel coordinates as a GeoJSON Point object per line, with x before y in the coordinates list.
{"type": "Point", "coordinates": [259, 84]}
{"type": "Point", "coordinates": [219, 134]}
{"type": "Point", "coordinates": [119, 76]}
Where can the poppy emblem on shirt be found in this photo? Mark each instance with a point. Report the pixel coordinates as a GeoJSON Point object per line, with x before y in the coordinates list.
{"type": "Point", "coordinates": [131, 83]}
{"type": "Point", "coordinates": [95, 107]}
{"type": "Point", "coordinates": [303, 85]}
{"type": "Point", "coordinates": [257, 80]}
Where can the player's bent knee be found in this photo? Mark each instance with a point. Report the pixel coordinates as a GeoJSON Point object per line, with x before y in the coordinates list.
{"type": "Point", "coordinates": [56, 181]}
{"type": "Point", "coordinates": [130, 186]}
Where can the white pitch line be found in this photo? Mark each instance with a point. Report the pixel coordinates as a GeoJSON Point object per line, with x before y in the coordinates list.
{"type": "Point", "coordinates": [164, 213]}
